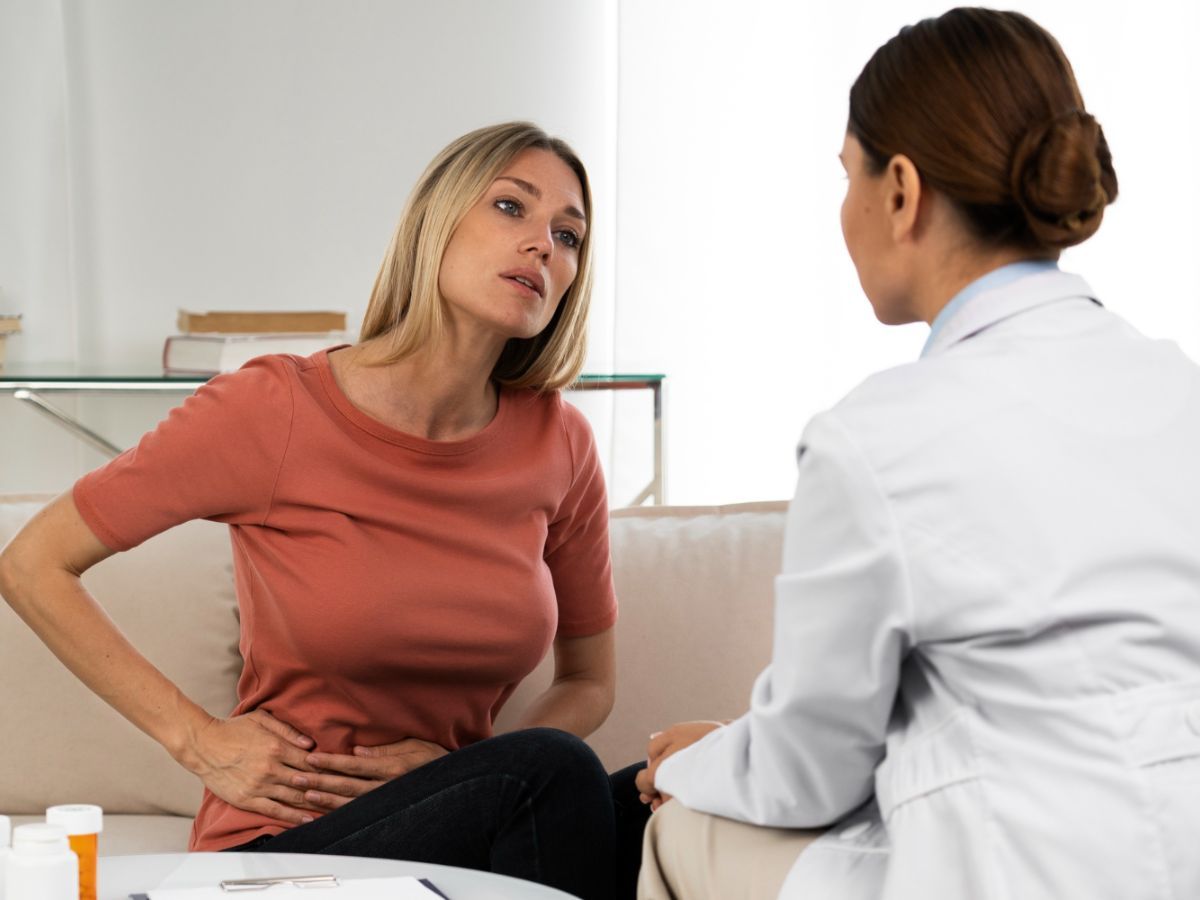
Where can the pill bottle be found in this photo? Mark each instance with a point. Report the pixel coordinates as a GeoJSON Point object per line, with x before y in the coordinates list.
{"type": "Point", "coordinates": [41, 865]}
{"type": "Point", "coordinates": [83, 824]}
{"type": "Point", "coordinates": [5, 849]}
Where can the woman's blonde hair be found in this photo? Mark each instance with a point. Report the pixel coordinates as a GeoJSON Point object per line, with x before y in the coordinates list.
{"type": "Point", "coordinates": [405, 301]}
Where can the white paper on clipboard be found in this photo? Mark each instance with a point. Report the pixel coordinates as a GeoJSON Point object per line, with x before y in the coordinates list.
{"type": "Point", "coordinates": [403, 887]}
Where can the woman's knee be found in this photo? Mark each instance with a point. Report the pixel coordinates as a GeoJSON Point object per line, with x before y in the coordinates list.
{"type": "Point", "coordinates": [557, 756]}
{"type": "Point", "coordinates": [554, 747]}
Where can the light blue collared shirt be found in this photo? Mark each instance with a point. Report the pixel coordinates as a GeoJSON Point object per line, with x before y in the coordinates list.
{"type": "Point", "coordinates": [993, 279]}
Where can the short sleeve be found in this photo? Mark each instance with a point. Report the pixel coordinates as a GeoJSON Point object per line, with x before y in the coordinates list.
{"type": "Point", "coordinates": [577, 548]}
{"type": "Point", "coordinates": [214, 457]}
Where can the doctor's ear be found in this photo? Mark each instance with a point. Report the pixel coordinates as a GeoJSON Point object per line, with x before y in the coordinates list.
{"type": "Point", "coordinates": [902, 196]}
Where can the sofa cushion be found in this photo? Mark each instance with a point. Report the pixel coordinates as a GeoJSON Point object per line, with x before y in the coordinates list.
{"type": "Point", "coordinates": [696, 589]}
{"type": "Point", "coordinates": [696, 592]}
{"type": "Point", "coordinates": [173, 597]}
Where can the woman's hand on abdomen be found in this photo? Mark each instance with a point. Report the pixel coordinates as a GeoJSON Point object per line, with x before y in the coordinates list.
{"type": "Point", "coordinates": [338, 778]}
{"type": "Point", "coordinates": [249, 761]}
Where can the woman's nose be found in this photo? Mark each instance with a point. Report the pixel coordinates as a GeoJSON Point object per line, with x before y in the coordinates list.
{"type": "Point", "coordinates": [540, 241]}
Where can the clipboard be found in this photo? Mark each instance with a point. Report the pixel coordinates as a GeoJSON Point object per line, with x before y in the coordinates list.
{"type": "Point", "coordinates": [387, 888]}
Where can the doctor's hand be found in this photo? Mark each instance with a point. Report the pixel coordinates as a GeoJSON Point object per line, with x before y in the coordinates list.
{"type": "Point", "coordinates": [343, 777]}
{"type": "Point", "coordinates": [249, 761]}
{"type": "Point", "coordinates": [664, 744]}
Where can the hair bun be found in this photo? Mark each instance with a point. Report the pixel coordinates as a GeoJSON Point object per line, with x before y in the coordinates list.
{"type": "Point", "coordinates": [1063, 178]}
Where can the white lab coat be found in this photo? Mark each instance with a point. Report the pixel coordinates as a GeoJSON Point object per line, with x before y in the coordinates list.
{"type": "Point", "coordinates": [986, 667]}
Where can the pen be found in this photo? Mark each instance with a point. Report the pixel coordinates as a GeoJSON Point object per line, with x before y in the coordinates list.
{"type": "Point", "coordinates": [261, 884]}
{"type": "Point", "coordinates": [299, 881]}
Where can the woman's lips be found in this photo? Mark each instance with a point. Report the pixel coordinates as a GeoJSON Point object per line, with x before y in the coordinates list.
{"type": "Point", "coordinates": [527, 280]}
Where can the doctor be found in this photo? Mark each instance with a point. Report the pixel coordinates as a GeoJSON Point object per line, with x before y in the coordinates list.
{"type": "Point", "coordinates": [986, 667]}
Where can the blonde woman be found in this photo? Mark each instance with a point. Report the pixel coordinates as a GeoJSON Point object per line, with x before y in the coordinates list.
{"type": "Point", "coordinates": [416, 519]}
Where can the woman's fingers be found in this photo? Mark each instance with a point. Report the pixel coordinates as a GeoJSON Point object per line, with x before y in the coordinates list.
{"type": "Point", "coordinates": [280, 811]}
{"type": "Point", "coordinates": [327, 802]}
{"type": "Point", "coordinates": [410, 747]}
{"type": "Point", "coordinates": [288, 796]}
{"type": "Point", "coordinates": [375, 768]}
{"type": "Point", "coordinates": [335, 784]}
{"type": "Point", "coordinates": [401, 757]}
{"type": "Point", "coordinates": [281, 728]}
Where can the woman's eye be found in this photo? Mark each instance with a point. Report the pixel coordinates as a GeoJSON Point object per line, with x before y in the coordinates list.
{"type": "Point", "coordinates": [568, 238]}
{"type": "Point", "coordinates": [508, 207]}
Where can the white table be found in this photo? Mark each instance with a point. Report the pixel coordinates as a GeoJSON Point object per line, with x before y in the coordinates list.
{"type": "Point", "coordinates": [120, 876]}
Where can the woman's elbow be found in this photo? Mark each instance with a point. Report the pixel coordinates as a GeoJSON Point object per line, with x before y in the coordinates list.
{"type": "Point", "coordinates": [607, 699]}
{"type": "Point", "coordinates": [17, 574]}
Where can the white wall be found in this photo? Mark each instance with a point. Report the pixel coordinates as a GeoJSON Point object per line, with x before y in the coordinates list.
{"type": "Point", "coordinates": [165, 154]}
{"type": "Point", "coordinates": [732, 276]}
{"type": "Point", "coordinates": [159, 153]}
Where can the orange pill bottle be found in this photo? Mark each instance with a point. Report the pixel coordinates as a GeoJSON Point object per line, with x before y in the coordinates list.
{"type": "Point", "coordinates": [83, 824]}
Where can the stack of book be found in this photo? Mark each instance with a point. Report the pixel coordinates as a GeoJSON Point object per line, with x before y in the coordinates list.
{"type": "Point", "coordinates": [8, 325]}
{"type": "Point", "coordinates": [213, 342]}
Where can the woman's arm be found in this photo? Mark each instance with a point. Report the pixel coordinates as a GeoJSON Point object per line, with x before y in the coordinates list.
{"type": "Point", "coordinates": [581, 695]}
{"type": "Point", "coordinates": [247, 761]}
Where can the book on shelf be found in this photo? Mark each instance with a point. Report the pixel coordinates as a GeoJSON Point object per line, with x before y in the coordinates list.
{"type": "Point", "coordinates": [261, 322]}
{"type": "Point", "coordinates": [211, 354]}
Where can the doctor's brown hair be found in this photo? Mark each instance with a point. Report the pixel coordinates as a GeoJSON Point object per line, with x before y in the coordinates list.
{"type": "Point", "coordinates": [986, 106]}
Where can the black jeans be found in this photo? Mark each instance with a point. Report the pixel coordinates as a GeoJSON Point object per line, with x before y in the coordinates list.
{"type": "Point", "coordinates": [533, 804]}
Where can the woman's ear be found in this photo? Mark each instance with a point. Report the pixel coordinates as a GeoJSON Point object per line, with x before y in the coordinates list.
{"type": "Point", "coordinates": [902, 196]}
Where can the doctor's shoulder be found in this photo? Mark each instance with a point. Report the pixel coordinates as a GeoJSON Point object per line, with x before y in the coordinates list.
{"type": "Point", "coordinates": [907, 415]}
{"type": "Point", "coordinates": [903, 396]}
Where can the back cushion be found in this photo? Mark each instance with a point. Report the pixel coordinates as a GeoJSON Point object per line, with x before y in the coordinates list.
{"type": "Point", "coordinates": [174, 599]}
{"type": "Point", "coordinates": [695, 586]}
{"type": "Point", "coordinates": [696, 589]}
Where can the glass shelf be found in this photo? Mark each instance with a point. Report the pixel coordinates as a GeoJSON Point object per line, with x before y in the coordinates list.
{"type": "Point", "coordinates": [127, 377]}
{"type": "Point", "coordinates": [27, 382]}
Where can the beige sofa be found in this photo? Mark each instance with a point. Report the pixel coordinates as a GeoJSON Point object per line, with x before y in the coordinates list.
{"type": "Point", "coordinates": [695, 586]}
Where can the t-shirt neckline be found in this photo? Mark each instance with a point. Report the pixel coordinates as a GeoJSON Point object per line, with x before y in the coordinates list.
{"type": "Point", "coordinates": [372, 426]}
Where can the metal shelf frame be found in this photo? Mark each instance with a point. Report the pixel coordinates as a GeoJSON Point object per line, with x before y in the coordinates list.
{"type": "Point", "coordinates": [29, 390]}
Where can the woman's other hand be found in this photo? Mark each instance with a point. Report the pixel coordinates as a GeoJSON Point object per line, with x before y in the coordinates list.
{"type": "Point", "coordinates": [664, 744]}
{"type": "Point", "coordinates": [344, 777]}
{"type": "Point", "coordinates": [249, 761]}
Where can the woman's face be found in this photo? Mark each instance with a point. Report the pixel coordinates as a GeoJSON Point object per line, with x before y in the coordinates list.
{"type": "Point", "coordinates": [516, 251]}
{"type": "Point", "coordinates": [866, 228]}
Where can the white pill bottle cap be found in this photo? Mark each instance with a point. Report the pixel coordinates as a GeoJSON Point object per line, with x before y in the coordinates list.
{"type": "Point", "coordinates": [40, 839]}
{"type": "Point", "coordinates": [41, 865]}
{"type": "Point", "coordinates": [77, 818]}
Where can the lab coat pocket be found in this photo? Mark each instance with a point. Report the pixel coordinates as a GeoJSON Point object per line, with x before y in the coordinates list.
{"type": "Point", "coordinates": [1162, 733]}
{"type": "Point", "coordinates": [931, 795]}
{"type": "Point", "coordinates": [931, 761]}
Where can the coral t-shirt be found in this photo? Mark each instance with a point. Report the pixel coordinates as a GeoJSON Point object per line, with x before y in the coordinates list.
{"type": "Point", "coordinates": [390, 587]}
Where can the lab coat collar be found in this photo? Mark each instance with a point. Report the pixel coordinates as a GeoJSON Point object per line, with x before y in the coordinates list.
{"type": "Point", "coordinates": [1003, 302]}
